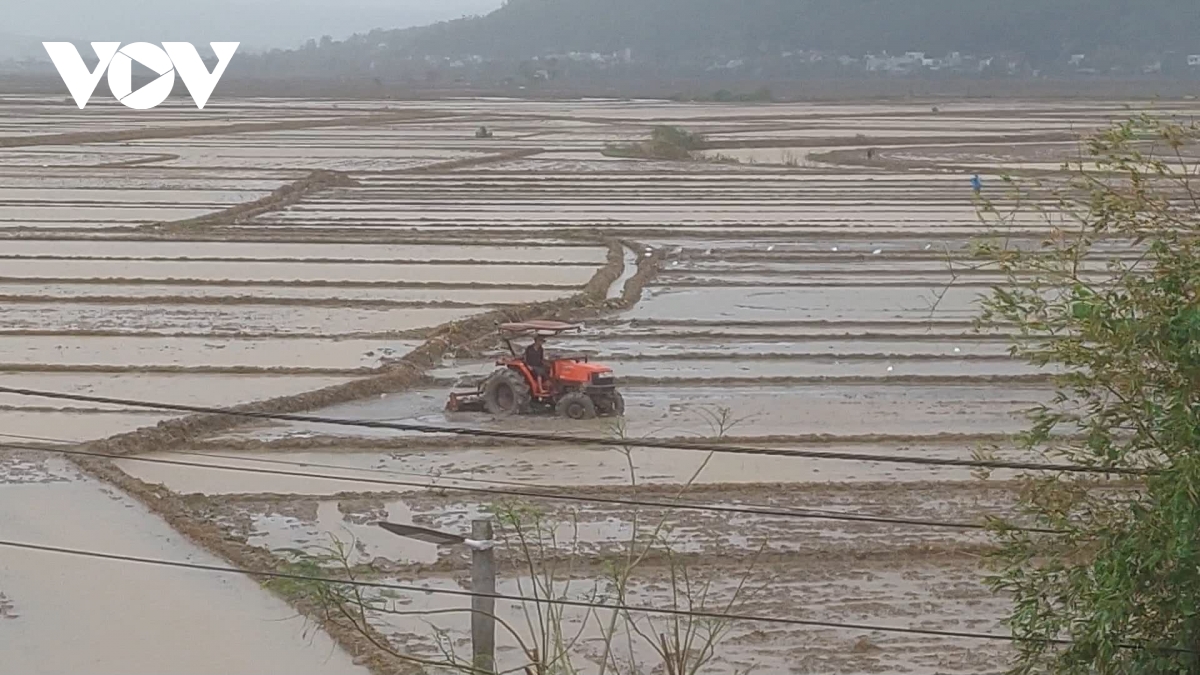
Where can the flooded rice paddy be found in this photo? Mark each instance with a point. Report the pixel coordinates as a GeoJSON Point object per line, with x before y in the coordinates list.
{"type": "Point", "coordinates": [798, 299]}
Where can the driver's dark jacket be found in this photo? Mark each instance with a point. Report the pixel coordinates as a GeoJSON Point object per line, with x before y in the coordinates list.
{"type": "Point", "coordinates": [535, 357]}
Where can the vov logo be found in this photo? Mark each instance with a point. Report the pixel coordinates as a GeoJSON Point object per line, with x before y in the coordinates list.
{"type": "Point", "coordinates": [171, 58]}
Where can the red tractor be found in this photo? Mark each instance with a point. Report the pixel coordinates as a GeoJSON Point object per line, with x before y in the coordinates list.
{"type": "Point", "coordinates": [569, 385]}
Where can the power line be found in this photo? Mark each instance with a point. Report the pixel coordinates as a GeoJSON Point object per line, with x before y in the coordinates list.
{"type": "Point", "coordinates": [693, 613]}
{"type": "Point", "coordinates": [539, 494]}
{"type": "Point", "coordinates": [585, 440]}
{"type": "Point", "coordinates": [36, 438]}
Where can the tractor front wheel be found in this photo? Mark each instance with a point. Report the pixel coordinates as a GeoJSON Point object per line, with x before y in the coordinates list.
{"type": "Point", "coordinates": [613, 405]}
{"type": "Point", "coordinates": [577, 406]}
{"type": "Point", "coordinates": [506, 392]}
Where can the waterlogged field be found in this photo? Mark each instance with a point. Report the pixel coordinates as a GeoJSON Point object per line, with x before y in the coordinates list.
{"type": "Point", "coordinates": [351, 259]}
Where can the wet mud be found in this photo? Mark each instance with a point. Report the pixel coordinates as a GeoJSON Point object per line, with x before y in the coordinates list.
{"type": "Point", "coordinates": [802, 296]}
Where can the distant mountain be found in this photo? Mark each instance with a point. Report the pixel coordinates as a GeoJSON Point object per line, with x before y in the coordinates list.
{"type": "Point", "coordinates": [670, 29]}
{"type": "Point", "coordinates": [257, 24]}
{"type": "Point", "coordinates": [19, 47]}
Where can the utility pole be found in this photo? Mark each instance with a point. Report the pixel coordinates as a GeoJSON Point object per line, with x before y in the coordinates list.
{"type": "Point", "coordinates": [483, 583]}
{"type": "Point", "coordinates": [483, 602]}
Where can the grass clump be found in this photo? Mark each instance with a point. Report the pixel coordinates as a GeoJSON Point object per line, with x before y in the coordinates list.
{"type": "Point", "coordinates": [666, 142]}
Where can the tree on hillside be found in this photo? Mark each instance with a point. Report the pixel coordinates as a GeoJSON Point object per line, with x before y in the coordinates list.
{"type": "Point", "coordinates": [1111, 297]}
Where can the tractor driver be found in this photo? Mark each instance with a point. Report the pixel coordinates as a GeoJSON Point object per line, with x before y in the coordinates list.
{"type": "Point", "coordinates": [535, 357]}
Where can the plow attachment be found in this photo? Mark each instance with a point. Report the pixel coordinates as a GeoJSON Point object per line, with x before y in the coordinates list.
{"type": "Point", "coordinates": [464, 401]}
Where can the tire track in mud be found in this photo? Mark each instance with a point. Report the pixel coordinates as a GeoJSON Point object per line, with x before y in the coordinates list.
{"type": "Point", "coordinates": [156, 159]}
{"type": "Point", "coordinates": [708, 337]}
{"type": "Point", "coordinates": [147, 133]}
{"type": "Point", "coordinates": [295, 283]}
{"type": "Point", "coordinates": [856, 159]}
{"type": "Point", "coordinates": [280, 198]}
{"type": "Point", "coordinates": [241, 300]}
{"type": "Point", "coordinates": [72, 411]}
{"type": "Point", "coordinates": [185, 370]}
{"type": "Point", "coordinates": [271, 235]}
{"type": "Point", "coordinates": [303, 261]}
{"type": "Point", "coordinates": [456, 164]}
{"type": "Point", "coordinates": [320, 180]}
{"type": "Point", "coordinates": [865, 283]}
{"type": "Point", "coordinates": [801, 323]}
{"type": "Point", "coordinates": [884, 141]}
{"type": "Point", "coordinates": [361, 444]}
{"type": "Point", "coordinates": [800, 380]}
{"type": "Point", "coordinates": [801, 358]}
{"type": "Point", "coordinates": [788, 380]}
{"type": "Point", "coordinates": [414, 333]}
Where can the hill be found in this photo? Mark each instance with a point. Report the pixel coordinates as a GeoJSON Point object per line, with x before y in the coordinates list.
{"type": "Point", "coordinates": [711, 45]}
{"type": "Point", "coordinates": [16, 47]}
{"type": "Point", "coordinates": [670, 29]}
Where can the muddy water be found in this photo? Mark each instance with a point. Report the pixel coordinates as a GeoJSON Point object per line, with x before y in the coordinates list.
{"type": "Point", "coordinates": [773, 304]}
{"type": "Point", "coordinates": [499, 274]}
{"type": "Point", "coordinates": [605, 529]}
{"type": "Point", "coordinates": [794, 334]}
{"type": "Point", "coordinates": [405, 470]}
{"type": "Point", "coordinates": [852, 249]}
{"type": "Point", "coordinates": [674, 343]}
{"type": "Point", "coordinates": [852, 330]}
{"type": "Point", "coordinates": [831, 366]}
{"type": "Point", "coordinates": [924, 284]}
{"type": "Point", "coordinates": [140, 619]}
{"type": "Point", "coordinates": [232, 320]}
{"type": "Point", "coordinates": [293, 251]}
{"type": "Point", "coordinates": [482, 297]}
{"type": "Point", "coordinates": [187, 389]}
{"type": "Point", "coordinates": [838, 410]}
{"type": "Point", "coordinates": [750, 227]}
{"type": "Point", "coordinates": [22, 426]}
{"type": "Point", "coordinates": [207, 198]}
{"type": "Point", "coordinates": [85, 179]}
{"type": "Point", "coordinates": [319, 535]}
{"type": "Point", "coordinates": [934, 267]}
{"type": "Point", "coordinates": [183, 352]}
{"type": "Point", "coordinates": [98, 214]}
{"type": "Point", "coordinates": [629, 261]}
{"type": "Point", "coordinates": [945, 597]}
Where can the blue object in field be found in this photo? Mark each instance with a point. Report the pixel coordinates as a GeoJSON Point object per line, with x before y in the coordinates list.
{"type": "Point", "coordinates": [976, 184]}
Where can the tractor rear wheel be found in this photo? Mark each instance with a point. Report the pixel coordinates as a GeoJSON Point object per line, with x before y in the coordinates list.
{"type": "Point", "coordinates": [577, 406]}
{"type": "Point", "coordinates": [506, 392]}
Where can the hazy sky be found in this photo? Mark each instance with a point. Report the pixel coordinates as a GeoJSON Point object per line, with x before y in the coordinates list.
{"type": "Point", "coordinates": [257, 23]}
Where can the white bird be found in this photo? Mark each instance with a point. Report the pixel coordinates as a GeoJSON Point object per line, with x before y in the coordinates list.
{"type": "Point", "coordinates": [383, 396]}
{"type": "Point", "coordinates": [770, 248]}
{"type": "Point", "coordinates": [957, 350]}
{"type": "Point", "coordinates": [708, 252]}
{"type": "Point", "coordinates": [928, 246]}
{"type": "Point", "coordinates": [649, 254]}
{"type": "Point", "coordinates": [890, 369]}
{"type": "Point", "coordinates": [834, 249]}
{"type": "Point", "coordinates": [877, 251]}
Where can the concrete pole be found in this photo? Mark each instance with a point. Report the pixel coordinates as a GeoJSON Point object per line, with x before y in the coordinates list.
{"type": "Point", "coordinates": [483, 609]}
